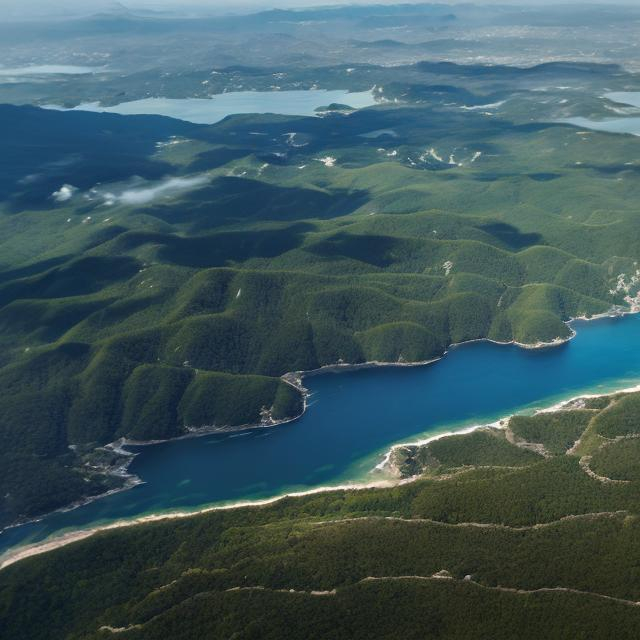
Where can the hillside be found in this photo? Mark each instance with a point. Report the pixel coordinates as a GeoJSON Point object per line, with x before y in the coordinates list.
{"type": "Point", "coordinates": [530, 530]}
{"type": "Point", "coordinates": [158, 277]}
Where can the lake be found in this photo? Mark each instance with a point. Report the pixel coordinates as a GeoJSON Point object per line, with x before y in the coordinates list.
{"type": "Point", "coordinates": [218, 107]}
{"type": "Point", "coordinates": [631, 98]}
{"type": "Point", "coordinates": [353, 419]}
{"type": "Point", "coordinates": [629, 124]}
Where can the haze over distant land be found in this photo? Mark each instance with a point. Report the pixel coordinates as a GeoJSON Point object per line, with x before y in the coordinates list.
{"type": "Point", "coordinates": [17, 9]}
{"type": "Point", "coordinates": [311, 310]}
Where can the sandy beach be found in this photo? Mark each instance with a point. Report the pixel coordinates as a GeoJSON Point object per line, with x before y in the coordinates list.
{"type": "Point", "coordinates": [296, 379]}
{"type": "Point", "coordinates": [19, 553]}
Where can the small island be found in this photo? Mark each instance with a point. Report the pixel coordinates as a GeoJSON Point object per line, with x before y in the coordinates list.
{"type": "Point", "coordinates": [335, 107]}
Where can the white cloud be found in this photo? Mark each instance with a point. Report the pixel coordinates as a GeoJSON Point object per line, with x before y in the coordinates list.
{"type": "Point", "coordinates": [64, 193]}
{"type": "Point", "coordinates": [142, 192]}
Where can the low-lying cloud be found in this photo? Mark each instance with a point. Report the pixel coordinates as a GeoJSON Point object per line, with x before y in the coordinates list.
{"type": "Point", "coordinates": [136, 193]}
{"type": "Point", "coordinates": [169, 187]}
{"type": "Point", "coordinates": [64, 193]}
{"type": "Point", "coordinates": [141, 192]}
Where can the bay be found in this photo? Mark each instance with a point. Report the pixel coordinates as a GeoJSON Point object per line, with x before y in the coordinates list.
{"type": "Point", "coordinates": [353, 419]}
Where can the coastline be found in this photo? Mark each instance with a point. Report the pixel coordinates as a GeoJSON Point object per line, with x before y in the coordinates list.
{"type": "Point", "coordinates": [295, 379]}
{"type": "Point", "coordinates": [121, 472]}
{"type": "Point", "coordinates": [131, 480]}
{"type": "Point", "coordinates": [500, 423]}
{"type": "Point", "coordinates": [22, 552]}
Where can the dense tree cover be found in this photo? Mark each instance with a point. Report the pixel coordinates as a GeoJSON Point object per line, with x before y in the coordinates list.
{"type": "Point", "coordinates": [143, 319]}
{"type": "Point", "coordinates": [495, 541]}
{"type": "Point", "coordinates": [486, 447]}
{"type": "Point", "coordinates": [620, 418]}
{"type": "Point", "coordinates": [556, 431]}
{"type": "Point", "coordinates": [619, 460]}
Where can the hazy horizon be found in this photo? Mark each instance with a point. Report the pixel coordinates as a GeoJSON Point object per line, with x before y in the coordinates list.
{"type": "Point", "coordinates": [19, 8]}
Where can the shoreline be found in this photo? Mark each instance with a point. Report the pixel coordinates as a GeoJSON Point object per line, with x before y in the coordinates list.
{"type": "Point", "coordinates": [131, 480]}
{"type": "Point", "coordinates": [21, 552]}
{"type": "Point", "coordinates": [296, 380]}
{"type": "Point", "coordinates": [501, 423]}
{"type": "Point", "coordinates": [18, 553]}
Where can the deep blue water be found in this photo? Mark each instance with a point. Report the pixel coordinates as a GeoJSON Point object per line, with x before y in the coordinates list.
{"type": "Point", "coordinates": [355, 416]}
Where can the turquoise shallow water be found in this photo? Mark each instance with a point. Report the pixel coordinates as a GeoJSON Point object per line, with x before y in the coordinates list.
{"type": "Point", "coordinates": [354, 417]}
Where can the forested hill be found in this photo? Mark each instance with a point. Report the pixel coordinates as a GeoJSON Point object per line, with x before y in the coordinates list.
{"type": "Point", "coordinates": [529, 531]}
{"type": "Point", "coordinates": [158, 277]}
